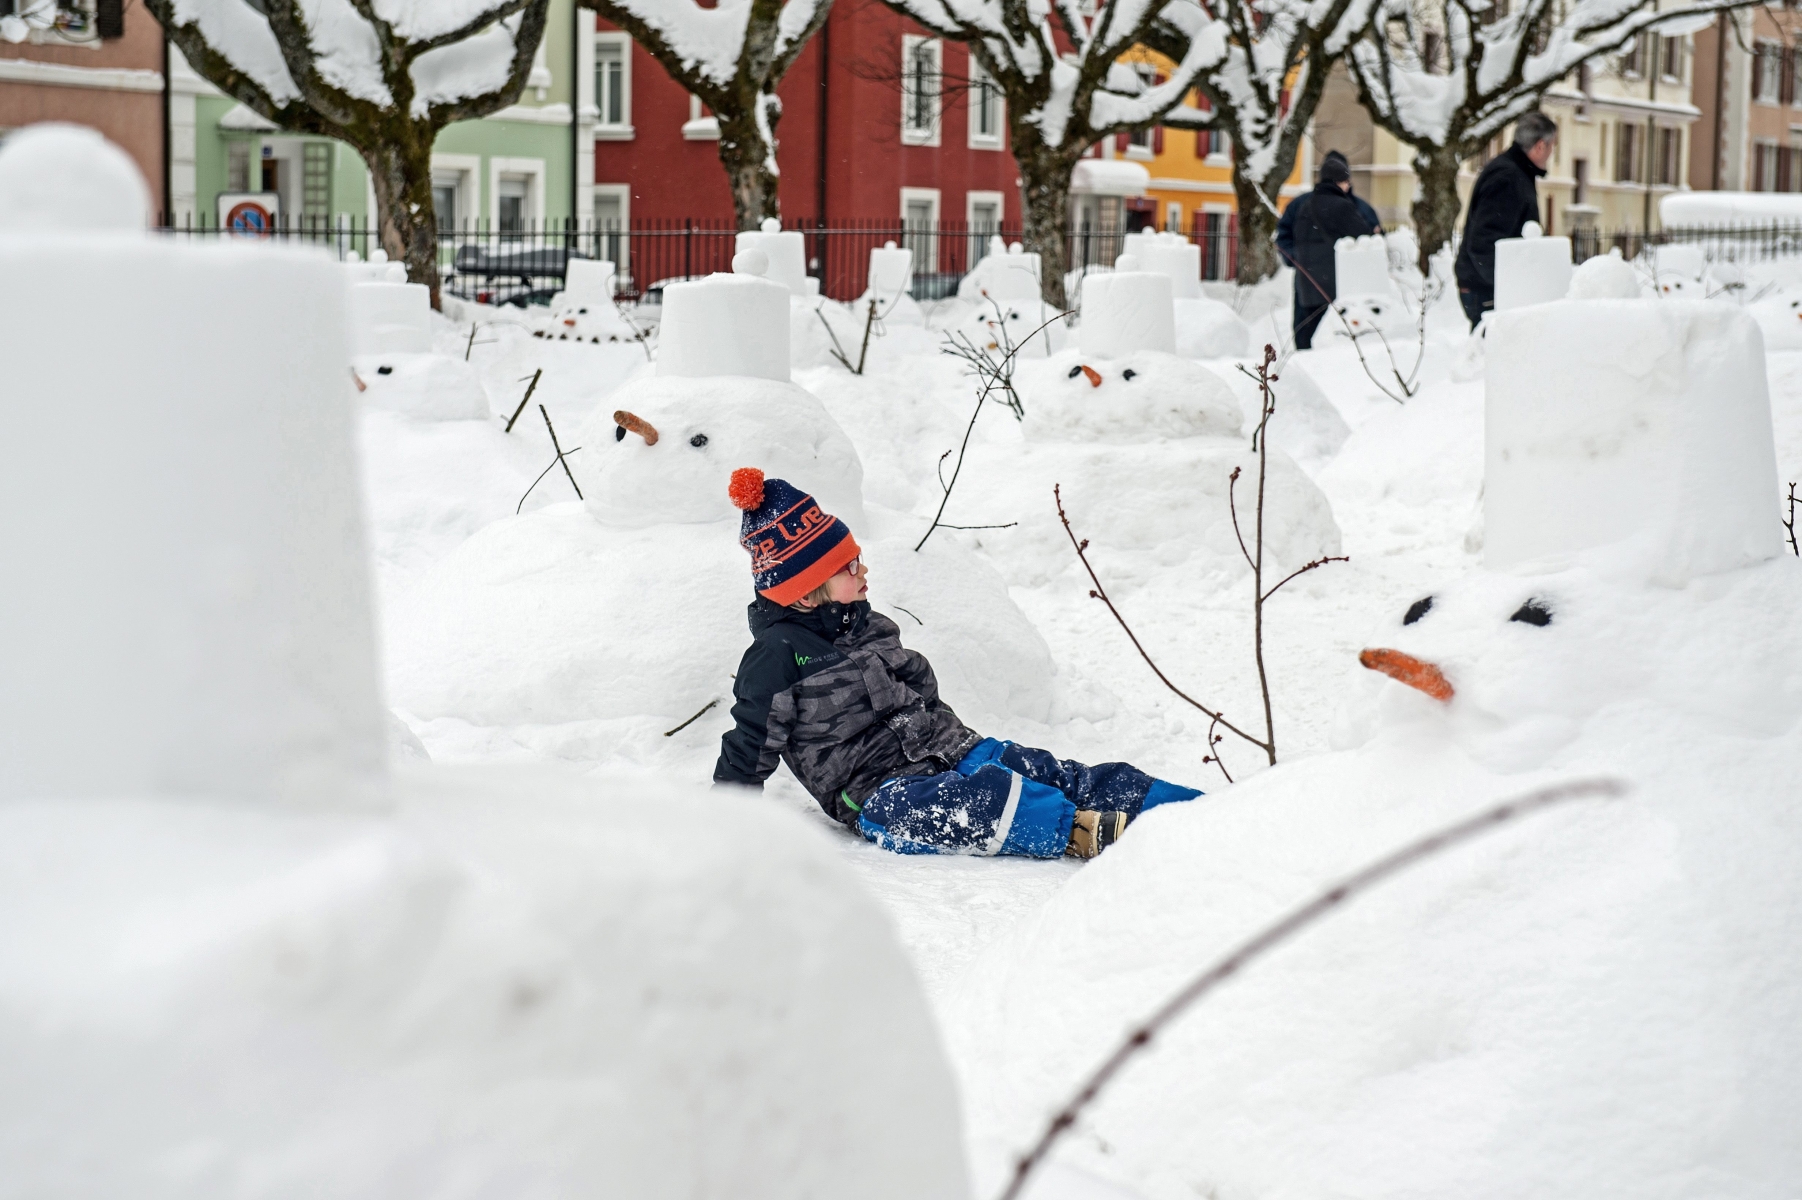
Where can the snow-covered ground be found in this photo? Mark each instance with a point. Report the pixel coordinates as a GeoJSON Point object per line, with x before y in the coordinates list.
{"type": "Point", "coordinates": [1405, 494]}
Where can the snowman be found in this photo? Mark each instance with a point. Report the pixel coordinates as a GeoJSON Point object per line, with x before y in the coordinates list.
{"type": "Point", "coordinates": [1138, 438]}
{"type": "Point", "coordinates": [392, 363]}
{"type": "Point", "coordinates": [242, 957]}
{"type": "Point", "coordinates": [1205, 328]}
{"type": "Point", "coordinates": [1544, 1012]}
{"type": "Point", "coordinates": [627, 607]}
{"type": "Point", "coordinates": [587, 321]}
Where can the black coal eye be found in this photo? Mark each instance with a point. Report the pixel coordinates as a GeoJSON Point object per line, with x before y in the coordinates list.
{"type": "Point", "coordinates": [384, 370]}
{"type": "Point", "coordinates": [619, 433]}
{"type": "Point", "coordinates": [1376, 310]}
{"type": "Point", "coordinates": [581, 312]}
{"type": "Point", "coordinates": [1417, 610]}
{"type": "Point", "coordinates": [1074, 372]}
{"type": "Point", "coordinates": [698, 440]}
{"type": "Point", "coordinates": [1533, 612]}
{"type": "Point", "coordinates": [1128, 373]}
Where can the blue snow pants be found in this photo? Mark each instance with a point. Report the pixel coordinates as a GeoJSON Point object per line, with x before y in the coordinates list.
{"type": "Point", "coordinates": [1004, 798]}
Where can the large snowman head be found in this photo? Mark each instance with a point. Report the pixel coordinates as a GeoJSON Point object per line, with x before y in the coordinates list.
{"type": "Point", "coordinates": [1144, 396]}
{"type": "Point", "coordinates": [662, 449]}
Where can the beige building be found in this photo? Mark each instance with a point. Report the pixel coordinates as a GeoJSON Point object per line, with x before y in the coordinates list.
{"type": "Point", "coordinates": [1747, 72]}
{"type": "Point", "coordinates": [1623, 142]}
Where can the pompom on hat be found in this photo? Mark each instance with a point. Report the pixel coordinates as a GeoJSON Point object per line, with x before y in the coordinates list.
{"type": "Point", "coordinates": [794, 546]}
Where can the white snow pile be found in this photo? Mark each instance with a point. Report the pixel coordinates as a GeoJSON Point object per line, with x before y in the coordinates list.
{"type": "Point", "coordinates": [1583, 1005]}
{"type": "Point", "coordinates": [237, 956]}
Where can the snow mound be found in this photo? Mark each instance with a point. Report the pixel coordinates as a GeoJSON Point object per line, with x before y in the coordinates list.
{"type": "Point", "coordinates": [1031, 324]}
{"type": "Point", "coordinates": [1542, 1013]}
{"type": "Point", "coordinates": [426, 386]}
{"type": "Point", "coordinates": [1605, 277]}
{"type": "Point", "coordinates": [1306, 426]}
{"type": "Point", "coordinates": [1357, 314]}
{"type": "Point", "coordinates": [1138, 397]}
{"type": "Point", "coordinates": [705, 429]}
{"type": "Point", "coordinates": [518, 983]}
{"type": "Point", "coordinates": [587, 320]}
{"type": "Point", "coordinates": [57, 177]}
{"type": "Point", "coordinates": [1779, 318]}
{"type": "Point", "coordinates": [553, 617]}
{"type": "Point", "coordinates": [1209, 329]}
{"type": "Point", "coordinates": [1669, 455]}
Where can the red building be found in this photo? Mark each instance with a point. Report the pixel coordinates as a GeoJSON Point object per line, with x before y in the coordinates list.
{"type": "Point", "coordinates": [880, 122]}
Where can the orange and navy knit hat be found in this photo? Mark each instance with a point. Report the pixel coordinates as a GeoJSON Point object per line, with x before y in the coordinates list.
{"type": "Point", "coordinates": [794, 546]}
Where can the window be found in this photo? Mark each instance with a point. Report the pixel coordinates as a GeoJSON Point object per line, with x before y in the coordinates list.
{"type": "Point", "coordinates": [454, 192]}
{"type": "Point", "coordinates": [515, 193]}
{"type": "Point", "coordinates": [983, 210]}
{"type": "Point", "coordinates": [1218, 237]}
{"type": "Point", "coordinates": [1173, 217]}
{"type": "Point", "coordinates": [1633, 57]}
{"type": "Point", "coordinates": [1670, 58]}
{"type": "Point", "coordinates": [919, 227]}
{"type": "Point", "coordinates": [510, 214]}
{"type": "Point", "coordinates": [1626, 156]}
{"type": "Point", "coordinates": [1764, 167]}
{"type": "Point", "coordinates": [921, 59]}
{"type": "Point", "coordinates": [1767, 66]}
{"type": "Point", "coordinates": [613, 84]}
{"type": "Point", "coordinates": [985, 109]}
{"type": "Point", "coordinates": [316, 180]}
{"type": "Point", "coordinates": [1579, 170]}
{"type": "Point", "coordinates": [702, 125]}
{"type": "Point", "coordinates": [612, 219]}
{"type": "Point", "coordinates": [1670, 155]}
{"type": "Point", "coordinates": [444, 204]}
{"type": "Point", "coordinates": [237, 166]}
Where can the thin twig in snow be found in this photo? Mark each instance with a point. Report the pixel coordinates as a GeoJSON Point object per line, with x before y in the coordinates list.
{"type": "Point", "coordinates": [530, 388]}
{"type": "Point", "coordinates": [1274, 935]}
{"type": "Point", "coordinates": [684, 725]}
{"type": "Point", "coordinates": [1789, 523]}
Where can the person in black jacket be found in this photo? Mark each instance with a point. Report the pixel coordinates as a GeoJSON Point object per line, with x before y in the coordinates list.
{"type": "Point", "coordinates": [828, 689]}
{"type": "Point", "coordinates": [1285, 226]}
{"type": "Point", "coordinates": [1316, 222]}
{"type": "Point", "coordinates": [1502, 202]}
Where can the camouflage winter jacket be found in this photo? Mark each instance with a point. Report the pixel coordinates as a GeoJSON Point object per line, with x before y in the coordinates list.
{"type": "Point", "coordinates": [833, 694]}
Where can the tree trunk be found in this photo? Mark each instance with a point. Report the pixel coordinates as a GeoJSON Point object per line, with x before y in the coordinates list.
{"type": "Point", "coordinates": [1258, 259]}
{"type": "Point", "coordinates": [1435, 209]}
{"type": "Point", "coordinates": [400, 170]}
{"type": "Point", "coordinates": [747, 157]}
{"type": "Point", "coordinates": [1045, 194]}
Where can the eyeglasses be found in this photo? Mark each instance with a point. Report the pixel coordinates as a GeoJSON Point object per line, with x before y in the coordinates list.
{"type": "Point", "coordinates": [851, 568]}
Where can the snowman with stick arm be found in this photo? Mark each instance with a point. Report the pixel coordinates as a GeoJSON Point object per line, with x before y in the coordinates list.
{"type": "Point", "coordinates": [1546, 1013]}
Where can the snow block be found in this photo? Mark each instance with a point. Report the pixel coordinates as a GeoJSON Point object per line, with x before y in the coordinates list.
{"type": "Point", "coordinates": [191, 613]}
{"type": "Point", "coordinates": [1531, 269]}
{"type": "Point", "coordinates": [1127, 311]}
{"type": "Point", "coordinates": [724, 325]}
{"type": "Point", "coordinates": [390, 318]}
{"type": "Point", "coordinates": [891, 271]}
{"type": "Point", "coordinates": [1629, 420]}
{"type": "Point", "coordinates": [1171, 255]}
{"type": "Point", "coordinates": [590, 281]}
{"type": "Point", "coordinates": [1005, 273]}
{"type": "Point", "coordinates": [1605, 277]}
{"type": "Point", "coordinates": [58, 176]}
{"type": "Point", "coordinates": [1361, 267]}
{"type": "Point", "coordinates": [787, 254]}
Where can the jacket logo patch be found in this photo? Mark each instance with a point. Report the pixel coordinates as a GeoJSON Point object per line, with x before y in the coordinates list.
{"type": "Point", "coordinates": [802, 660]}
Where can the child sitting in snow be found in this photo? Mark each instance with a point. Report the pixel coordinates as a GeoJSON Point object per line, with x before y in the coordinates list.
{"type": "Point", "coordinates": [827, 688]}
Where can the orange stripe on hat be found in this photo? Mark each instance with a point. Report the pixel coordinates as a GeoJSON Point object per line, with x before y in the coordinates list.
{"type": "Point", "coordinates": [816, 573]}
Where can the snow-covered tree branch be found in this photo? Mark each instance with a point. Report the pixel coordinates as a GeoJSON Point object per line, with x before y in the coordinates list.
{"type": "Point", "coordinates": [1262, 84]}
{"type": "Point", "coordinates": [732, 57]}
{"type": "Point", "coordinates": [1445, 76]}
{"type": "Point", "coordinates": [1066, 88]}
{"type": "Point", "coordinates": [384, 76]}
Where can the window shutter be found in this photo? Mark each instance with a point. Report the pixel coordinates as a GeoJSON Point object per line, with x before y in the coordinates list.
{"type": "Point", "coordinates": [1157, 139]}
{"type": "Point", "coordinates": [1786, 77]}
{"type": "Point", "coordinates": [1121, 142]}
{"type": "Point", "coordinates": [109, 19]}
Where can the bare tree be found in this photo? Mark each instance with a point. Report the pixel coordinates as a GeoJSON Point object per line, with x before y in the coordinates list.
{"type": "Point", "coordinates": [383, 84]}
{"type": "Point", "coordinates": [732, 57]}
{"type": "Point", "coordinates": [1065, 87]}
{"type": "Point", "coordinates": [1262, 87]}
{"type": "Point", "coordinates": [1446, 76]}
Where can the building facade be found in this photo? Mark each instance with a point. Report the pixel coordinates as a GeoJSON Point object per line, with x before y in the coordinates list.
{"type": "Point", "coordinates": [1747, 71]}
{"type": "Point", "coordinates": [91, 62]}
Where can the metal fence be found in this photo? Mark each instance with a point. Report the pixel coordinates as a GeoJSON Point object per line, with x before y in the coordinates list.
{"type": "Point", "coordinates": [526, 265]}
{"type": "Point", "coordinates": [1719, 243]}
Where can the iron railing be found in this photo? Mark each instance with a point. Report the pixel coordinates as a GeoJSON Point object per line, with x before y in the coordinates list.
{"type": "Point", "coordinates": [1719, 243]}
{"type": "Point", "coordinates": [526, 265]}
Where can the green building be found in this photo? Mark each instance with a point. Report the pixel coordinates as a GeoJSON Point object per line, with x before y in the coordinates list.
{"type": "Point", "coordinates": [528, 164]}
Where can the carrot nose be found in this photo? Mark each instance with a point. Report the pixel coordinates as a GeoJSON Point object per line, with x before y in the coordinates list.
{"type": "Point", "coordinates": [569, 321]}
{"type": "Point", "coordinates": [1405, 668]}
{"type": "Point", "coordinates": [1094, 376]}
{"type": "Point", "coordinates": [636, 424]}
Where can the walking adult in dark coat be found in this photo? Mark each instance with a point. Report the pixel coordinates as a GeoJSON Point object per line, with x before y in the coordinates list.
{"type": "Point", "coordinates": [1321, 218]}
{"type": "Point", "coordinates": [1502, 202]}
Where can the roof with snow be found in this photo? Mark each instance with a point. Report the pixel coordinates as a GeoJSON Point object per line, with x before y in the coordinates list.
{"type": "Point", "coordinates": [1109, 177]}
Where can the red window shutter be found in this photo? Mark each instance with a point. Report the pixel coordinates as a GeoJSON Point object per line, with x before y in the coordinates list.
{"type": "Point", "coordinates": [1157, 139]}
{"type": "Point", "coordinates": [1121, 142]}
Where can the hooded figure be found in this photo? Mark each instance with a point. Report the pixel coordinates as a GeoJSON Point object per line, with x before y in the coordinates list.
{"type": "Point", "coordinates": [1314, 224]}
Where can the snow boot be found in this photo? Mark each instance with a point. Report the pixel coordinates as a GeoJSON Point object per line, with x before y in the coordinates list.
{"type": "Point", "coordinates": [1092, 832]}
